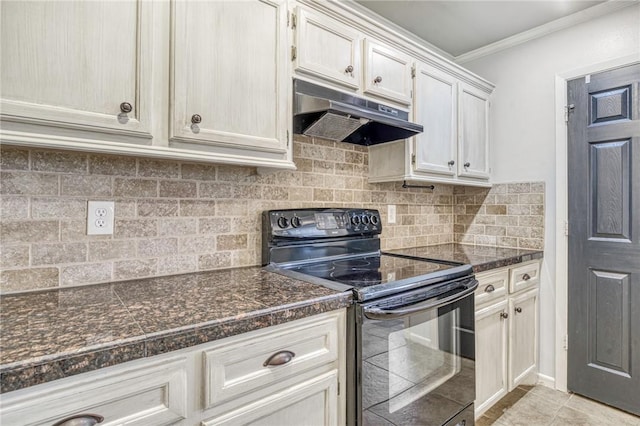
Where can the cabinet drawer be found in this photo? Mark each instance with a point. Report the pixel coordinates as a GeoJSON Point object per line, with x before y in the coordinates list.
{"type": "Point", "coordinates": [149, 394]}
{"type": "Point", "coordinates": [238, 367]}
{"type": "Point", "coordinates": [491, 286]}
{"type": "Point", "coordinates": [524, 276]}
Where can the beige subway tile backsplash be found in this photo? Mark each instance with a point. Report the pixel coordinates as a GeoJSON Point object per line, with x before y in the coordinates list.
{"type": "Point", "coordinates": [174, 217]}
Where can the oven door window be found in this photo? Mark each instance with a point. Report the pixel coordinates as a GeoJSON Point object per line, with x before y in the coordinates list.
{"type": "Point", "coordinates": [418, 369]}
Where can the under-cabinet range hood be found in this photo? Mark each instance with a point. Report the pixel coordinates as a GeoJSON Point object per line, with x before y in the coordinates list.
{"type": "Point", "coordinates": [329, 114]}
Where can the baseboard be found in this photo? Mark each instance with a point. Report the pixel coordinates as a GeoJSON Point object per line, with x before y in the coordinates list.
{"type": "Point", "coordinates": [547, 381]}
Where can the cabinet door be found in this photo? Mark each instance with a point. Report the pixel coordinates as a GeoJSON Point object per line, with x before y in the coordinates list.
{"type": "Point", "coordinates": [327, 49]}
{"type": "Point", "coordinates": [313, 402]}
{"type": "Point", "coordinates": [230, 84]}
{"type": "Point", "coordinates": [435, 107]}
{"type": "Point", "coordinates": [387, 73]}
{"type": "Point", "coordinates": [473, 128]}
{"type": "Point", "coordinates": [523, 336]}
{"type": "Point", "coordinates": [491, 355]}
{"type": "Point", "coordinates": [72, 64]}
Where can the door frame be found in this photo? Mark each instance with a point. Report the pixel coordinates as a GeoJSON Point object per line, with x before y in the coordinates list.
{"type": "Point", "coordinates": [562, 206]}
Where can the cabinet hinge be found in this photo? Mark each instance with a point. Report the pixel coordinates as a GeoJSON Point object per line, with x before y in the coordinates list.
{"type": "Point", "coordinates": [568, 109]}
{"type": "Point", "coordinates": [413, 159]}
{"type": "Point", "coordinates": [294, 21]}
{"type": "Point", "coordinates": [288, 140]}
{"type": "Point", "coordinates": [413, 71]}
{"type": "Point", "coordinates": [566, 342]}
{"type": "Point", "coordinates": [294, 53]}
{"type": "Point", "coordinates": [338, 388]}
{"type": "Point", "coordinates": [566, 228]}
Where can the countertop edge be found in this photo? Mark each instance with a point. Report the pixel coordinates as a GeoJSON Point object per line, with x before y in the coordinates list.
{"type": "Point", "coordinates": [24, 374]}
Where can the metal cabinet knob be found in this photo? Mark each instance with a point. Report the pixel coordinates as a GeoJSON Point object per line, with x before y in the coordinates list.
{"type": "Point", "coordinates": [126, 107]}
{"type": "Point", "coordinates": [504, 315]}
{"type": "Point", "coordinates": [526, 277]}
{"type": "Point", "coordinates": [279, 358]}
{"type": "Point", "coordinates": [378, 79]}
{"type": "Point", "coordinates": [467, 164]}
{"type": "Point", "coordinates": [80, 420]}
{"type": "Point", "coordinates": [349, 69]}
{"type": "Point", "coordinates": [518, 310]}
{"type": "Point", "coordinates": [451, 163]}
{"type": "Point", "coordinates": [489, 289]}
{"type": "Point", "coordinates": [196, 119]}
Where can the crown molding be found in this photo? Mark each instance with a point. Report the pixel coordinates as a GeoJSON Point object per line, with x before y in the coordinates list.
{"type": "Point", "coordinates": [545, 29]}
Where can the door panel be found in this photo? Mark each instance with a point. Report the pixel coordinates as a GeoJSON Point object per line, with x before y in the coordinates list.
{"type": "Point", "coordinates": [610, 189]}
{"type": "Point", "coordinates": [604, 248]}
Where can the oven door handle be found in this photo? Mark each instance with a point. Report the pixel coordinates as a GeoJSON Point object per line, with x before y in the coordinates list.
{"type": "Point", "coordinates": [388, 314]}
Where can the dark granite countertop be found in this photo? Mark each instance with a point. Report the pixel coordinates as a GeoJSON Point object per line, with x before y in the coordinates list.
{"type": "Point", "coordinates": [481, 258]}
{"type": "Point", "coordinates": [52, 334]}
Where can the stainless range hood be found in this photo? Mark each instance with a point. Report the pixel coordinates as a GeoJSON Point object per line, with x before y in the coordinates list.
{"type": "Point", "coordinates": [329, 114]}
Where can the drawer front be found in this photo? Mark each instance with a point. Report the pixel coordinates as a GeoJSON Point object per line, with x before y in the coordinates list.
{"type": "Point", "coordinates": [153, 394]}
{"type": "Point", "coordinates": [238, 367]}
{"type": "Point", "coordinates": [492, 286]}
{"type": "Point", "coordinates": [524, 276]}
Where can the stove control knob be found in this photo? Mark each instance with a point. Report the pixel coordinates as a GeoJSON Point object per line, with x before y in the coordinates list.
{"type": "Point", "coordinates": [295, 221]}
{"type": "Point", "coordinates": [283, 222]}
{"type": "Point", "coordinates": [365, 219]}
{"type": "Point", "coordinates": [355, 220]}
{"type": "Point", "coordinates": [374, 220]}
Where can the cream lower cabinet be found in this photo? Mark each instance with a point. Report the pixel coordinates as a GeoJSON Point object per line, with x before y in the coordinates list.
{"type": "Point", "coordinates": [506, 332]}
{"type": "Point", "coordinates": [288, 374]}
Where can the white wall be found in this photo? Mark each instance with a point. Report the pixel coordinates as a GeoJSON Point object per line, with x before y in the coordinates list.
{"type": "Point", "coordinates": [524, 121]}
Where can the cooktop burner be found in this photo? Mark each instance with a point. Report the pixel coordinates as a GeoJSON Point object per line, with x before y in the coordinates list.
{"type": "Point", "coordinates": [369, 270]}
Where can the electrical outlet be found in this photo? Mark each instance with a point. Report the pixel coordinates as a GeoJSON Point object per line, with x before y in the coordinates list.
{"type": "Point", "coordinates": [391, 213]}
{"type": "Point", "coordinates": [100, 217]}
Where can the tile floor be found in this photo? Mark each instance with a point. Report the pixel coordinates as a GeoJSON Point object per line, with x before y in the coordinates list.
{"type": "Point", "coordinates": [542, 406]}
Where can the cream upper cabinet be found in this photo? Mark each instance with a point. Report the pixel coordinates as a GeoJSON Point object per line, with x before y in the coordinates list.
{"type": "Point", "coordinates": [387, 73]}
{"type": "Point", "coordinates": [473, 136]}
{"type": "Point", "coordinates": [79, 65]}
{"type": "Point", "coordinates": [327, 49]}
{"type": "Point", "coordinates": [436, 109]}
{"type": "Point", "coordinates": [230, 85]}
{"type": "Point", "coordinates": [454, 146]}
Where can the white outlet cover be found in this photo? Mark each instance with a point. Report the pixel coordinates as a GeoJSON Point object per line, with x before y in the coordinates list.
{"type": "Point", "coordinates": [391, 213]}
{"type": "Point", "coordinates": [100, 217]}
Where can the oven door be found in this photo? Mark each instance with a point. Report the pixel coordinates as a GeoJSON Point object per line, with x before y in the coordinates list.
{"type": "Point", "coordinates": [416, 356]}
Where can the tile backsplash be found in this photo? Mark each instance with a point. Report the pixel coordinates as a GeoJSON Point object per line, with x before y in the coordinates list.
{"type": "Point", "coordinates": [176, 217]}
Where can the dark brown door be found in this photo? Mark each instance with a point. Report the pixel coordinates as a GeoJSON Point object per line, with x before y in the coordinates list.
{"type": "Point", "coordinates": [604, 238]}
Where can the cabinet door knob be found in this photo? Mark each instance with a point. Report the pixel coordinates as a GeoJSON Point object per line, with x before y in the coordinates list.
{"type": "Point", "coordinates": [349, 69]}
{"type": "Point", "coordinates": [80, 420]}
{"type": "Point", "coordinates": [378, 79]}
{"type": "Point", "coordinates": [489, 289]}
{"type": "Point", "coordinates": [126, 107]}
{"type": "Point", "coordinates": [279, 358]}
{"type": "Point", "coordinates": [519, 310]}
{"type": "Point", "coordinates": [451, 163]}
{"type": "Point", "coordinates": [467, 164]}
{"type": "Point", "coordinates": [526, 277]}
{"type": "Point", "coordinates": [196, 119]}
{"type": "Point", "coordinates": [504, 315]}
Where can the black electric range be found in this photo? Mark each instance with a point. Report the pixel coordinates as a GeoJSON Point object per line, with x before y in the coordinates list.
{"type": "Point", "coordinates": [407, 309]}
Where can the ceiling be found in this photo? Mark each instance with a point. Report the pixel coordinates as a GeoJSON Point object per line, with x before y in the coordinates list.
{"type": "Point", "coordinates": [459, 27]}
